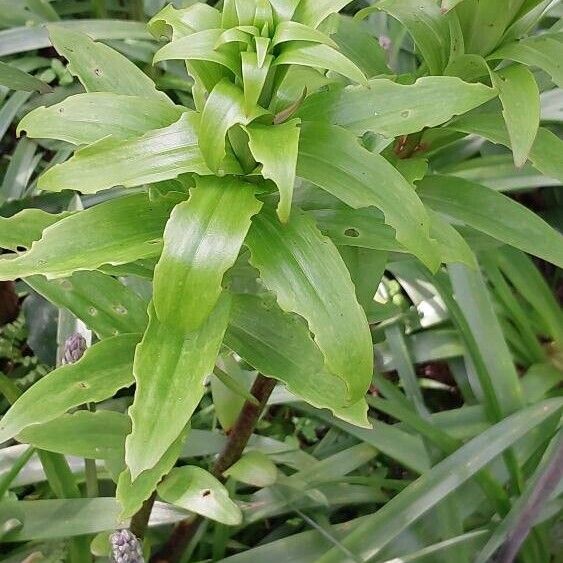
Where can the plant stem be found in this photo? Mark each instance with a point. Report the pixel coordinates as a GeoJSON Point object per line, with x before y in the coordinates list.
{"type": "Point", "coordinates": [99, 8]}
{"type": "Point", "coordinates": [238, 439]}
{"type": "Point", "coordinates": [18, 465]}
{"type": "Point", "coordinates": [140, 520]}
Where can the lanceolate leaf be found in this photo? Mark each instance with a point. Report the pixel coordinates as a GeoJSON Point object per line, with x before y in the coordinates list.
{"type": "Point", "coordinates": [313, 12]}
{"type": "Point", "coordinates": [279, 345]}
{"type": "Point", "coordinates": [224, 108]}
{"type": "Point", "coordinates": [104, 369]}
{"type": "Point", "coordinates": [17, 79]}
{"type": "Point", "coordinates": [276, 148]}
{"type": "Point", "coordinates": [308, 276]}
{"type": "Point", "coordinates": [544, 51]}
{"type": "Point", "coordinates": [520, 98]}
{"type": "Point", "coordinates": [320, 56]}
{"type": "Point", "coordinates": [99, 67]}
{"type": "Point", "coordinates": [158, 155]}
{"type": "Point", "coordinates": [115, 232]}
{"type": "Point", "coordinates": [170, 368]}
{"type": "Point", "coordinates": [453, 247]}
{"type": "Point", "coordinates": [202, 241]}
{"type": "Point", "coordinates": [101, 302]}
{"type": "Point", "coordinates": [132, 494]}
{"type": "Point", "coordinates": [21, 230]}
{"type": "Point", "coordinates": [546, 151]}
{"type": "Point", "coordinates": [371, 536]}
{"type": "Point", "coordinates": [194, 489]}
{"type": "Point", "coordinates": [428, 27]}
{"type": "Point", "coordinates": [393, 109]}
{"type": "Point", "coordinates": [93, 435]}
{"type": "Point", "coordinates": [494, 214]}
{"type": "Point", "coordinates": [174, 23]}
{"type": "Point", "coordinates": [87, 118]}
{"type": "Point", "coordinates": [362, 179]}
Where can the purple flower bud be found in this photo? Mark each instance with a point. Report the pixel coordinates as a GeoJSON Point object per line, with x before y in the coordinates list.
{"type": "Point", "coordinates": [75, 346]}
{"type": "Point", "coordinates": [385, 42]}
{"type": "Point", "coordinates": [125, 547]}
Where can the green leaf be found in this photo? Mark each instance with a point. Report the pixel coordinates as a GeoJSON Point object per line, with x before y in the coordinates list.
{"type": "Point", "coordinates": [427, 26]}
{"type": "Point", "coordinates": [544, 51]}
{"type": "Point", "coordinates": [355, 40]}
{"type": "Point", "coordinates": [174, 23]}
{"type": "Point", "coordinates": [21, 230]}
{"type": "Point", "coordinates": [104, 369]}
{"type": "Point", "coordinates": [117, 231]}
{"type": "Point", "coordinates": [520, 99]}
{"type": "Point", "coordinates": [279, 345]}
{"type": "Point", "coordinates": [362, 228]}
{"type": "Point", "coordinates": [92, 435]}
{"type": "Point", "coordinates": [323, 56]}
{"type": "Point", "coordinates": [61, 518]}
{"type": "Point", "coordinates": [393, 109]}
{"type": "Point", "coordinates": [314, 12]}
{"type": "Point", "coordinates": [17, 79]}
{"type": "Point", "coordinates": [21, 39]}
{"type": "Point", "coordinates": [103, 303]}
{"type": "Point", "coordinates": [224, 108]}
{"type": "Point", "coordinates": [314, 283]}
{"type": "Point", "coordinates": [170, 368]}
{"type": "Point", "coordinates": [200, 46]}
{"type": "Point", "coordinates": [254, 77]}
{"type": "Point", "coordinates": [371, 536]}
{"type": "Point", "coordinates": [194, 489]}
{"type": "Point", "coordinates": [132, 494]}
{"type": "Point", "coordinates": [276, 148]}
{"type": "Point", "coordinates": [295, 31]}
{"type": "Point", "coordinates": [492, 213]}
{"type": "Point", "coordinates": [474, 300]}
{"type": "Point", "coordinates": [346, 174]}
{"type": "Point", "coordinates": [453, 247]}
{"type": "Point", "coordinates": [518, 522]}
{"type": "Point", "coordinates": [545, 153]}
{"type": "Point", "coordinates": [162, 154]}
{"type": "Point", "coordinates": [86, 118]}
{"type": "Point", "coordinates": [254, 468]}
{"type": "Point", "coordinates": [99, 67]}
{"type": "Point", "coordinates": [201, 242]}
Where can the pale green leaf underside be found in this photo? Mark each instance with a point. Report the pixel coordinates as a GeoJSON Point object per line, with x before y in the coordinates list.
{"type": "Point", "coordinates": [158, 155]}
{"type": "Point", "coordinates": [349, 175]}
{"type": "Point", "coordinates": [393, 109]}
{"type": "Point", "coordinates": [308, 277]}
{"type": "Point", "coordinates": [115, 232]}
{"type": "Point", "coordinates": [254, 468]}
{"type": "Point", "coordinates": [100, 68]}
{"type": "Point", "coordinates": [174, 23]}
{"type": "Point", "coordinates": [194, 489]}
{"type": "Point", "coordinates": [104, 369]}
{"type": "Point", "coordinates": [86, 118]}
{"type": "Point", "coordinates": [201, 242]}
{"type": "Point", "coordinates": [170, 368]}
{"type": "Point", "coordinates": [494, 214]}
{"type": "Point", "coordinates": [279, 345]}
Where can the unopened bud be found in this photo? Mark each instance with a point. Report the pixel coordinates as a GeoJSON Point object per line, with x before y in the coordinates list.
{"type": "Point", "coordinates": [125, 547]}
{"type": "Point", "coordinates": [75, 346]}
{"type": "Point", "coordinates": [385, 42]}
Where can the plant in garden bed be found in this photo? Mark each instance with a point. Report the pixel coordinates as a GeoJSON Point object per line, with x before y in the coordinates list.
{"type": "Point", "coordinates": [252, 231]}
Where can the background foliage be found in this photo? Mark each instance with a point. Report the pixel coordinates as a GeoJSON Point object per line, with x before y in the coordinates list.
{"type": "Point", "coordinates": [272, 191]}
